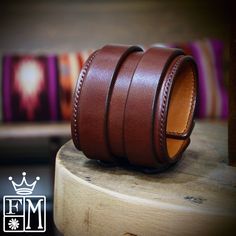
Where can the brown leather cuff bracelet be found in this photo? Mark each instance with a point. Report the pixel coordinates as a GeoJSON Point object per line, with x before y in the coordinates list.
{"type": "Point", "coordinates": [135, 106]}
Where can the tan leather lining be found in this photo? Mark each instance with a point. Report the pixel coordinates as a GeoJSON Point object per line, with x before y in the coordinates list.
{"type": "Point", "coordinates": [175, 146]}
{"type": "Point", "coordinates": [180, 108]}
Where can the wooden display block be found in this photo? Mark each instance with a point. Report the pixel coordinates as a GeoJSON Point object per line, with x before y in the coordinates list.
{"type": "Point", "coordinates": [195, 197]}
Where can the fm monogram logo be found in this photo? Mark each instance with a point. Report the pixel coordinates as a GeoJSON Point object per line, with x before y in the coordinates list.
{"type": "Point", "coordinates": [24, 212]}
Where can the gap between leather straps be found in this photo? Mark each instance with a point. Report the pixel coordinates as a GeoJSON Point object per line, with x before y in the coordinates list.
{"type": "Point", "coordinates": [94, 100]}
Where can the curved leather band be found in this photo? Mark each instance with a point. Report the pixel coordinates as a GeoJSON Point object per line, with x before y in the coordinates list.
{"type": "Point", "coordinates": [135, 105]}
{"type": "Point", "coordinates": [95, 97]}
{"type": "Point", "coordinates": [173, 121]}
{"type": "Point", "coordinates": [76, 97]}
{"type": "Point", "coordinates": [118, 103]}
{"type": "Point", "coordinates": [141, 101]}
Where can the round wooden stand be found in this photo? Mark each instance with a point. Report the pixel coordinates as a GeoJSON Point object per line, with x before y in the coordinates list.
{"type": "Point", "coordinates": [195, 197]}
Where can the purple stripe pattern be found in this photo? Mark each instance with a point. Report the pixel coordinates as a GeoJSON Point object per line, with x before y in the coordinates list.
{"type": "Point", "coordinates": [218, 56]}
{"type": "Point", "coordinates": [52, 81]}
{"type": "Point", "coordinates": [6, 88]}
{"type": "Point", "coordinates": [201, 82]}
{"type": "Point", "coordinates": [212, 94]}
{"type": "Point", "coordinates": [208, 54]}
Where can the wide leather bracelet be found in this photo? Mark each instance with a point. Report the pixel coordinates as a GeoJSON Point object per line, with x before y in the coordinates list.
{"type": "Point", "coordinates": [135, 106]}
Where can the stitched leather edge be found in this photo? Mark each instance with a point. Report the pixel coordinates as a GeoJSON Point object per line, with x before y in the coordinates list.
{"type": "Point", "coordinates": [166, 89]}
{"type": "Point", "coordinates": [170, 78]}
{"type": "Point", "coordinates": [166, 58]}
{"type": "Point", "coordinates": [187, 129]}
{"type": "Point", "coordinates": [75, 109]}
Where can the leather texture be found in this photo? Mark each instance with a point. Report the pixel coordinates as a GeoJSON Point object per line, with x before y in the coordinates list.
{"type": "Point", "coordinates": [135, 106]}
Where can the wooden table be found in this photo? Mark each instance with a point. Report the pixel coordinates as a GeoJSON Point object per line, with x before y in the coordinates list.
{"type": "Point", "coordinates": [196, 197]}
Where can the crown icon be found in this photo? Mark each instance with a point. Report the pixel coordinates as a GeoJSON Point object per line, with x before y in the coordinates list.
{"type": "Point", "coordinates": [24, 188]}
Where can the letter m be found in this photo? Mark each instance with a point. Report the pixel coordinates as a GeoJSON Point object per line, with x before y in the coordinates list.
{"type": "Point", "coordinates": [34, 209]}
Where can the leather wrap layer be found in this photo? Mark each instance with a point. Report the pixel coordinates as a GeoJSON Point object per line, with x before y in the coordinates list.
{"type": "Point", "coordinates": [135, 106]}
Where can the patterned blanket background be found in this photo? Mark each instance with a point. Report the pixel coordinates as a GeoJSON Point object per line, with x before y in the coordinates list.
{"type": "Point", "coordinates": [40, 87]}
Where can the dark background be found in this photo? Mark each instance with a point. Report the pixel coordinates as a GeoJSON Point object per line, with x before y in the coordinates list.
{"type": "Point", "coordinates": [62, 25]}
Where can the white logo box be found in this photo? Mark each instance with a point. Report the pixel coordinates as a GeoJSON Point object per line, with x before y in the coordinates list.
{"type": "Point", "coordinates": [20, 210]}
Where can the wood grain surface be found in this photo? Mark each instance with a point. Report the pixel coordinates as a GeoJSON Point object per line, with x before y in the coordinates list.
{"type": "Point", "coordinates": [195, 197]}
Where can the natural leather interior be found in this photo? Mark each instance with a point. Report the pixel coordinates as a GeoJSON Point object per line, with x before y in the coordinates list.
{"type": "Point", "coordinates": [179, 116]}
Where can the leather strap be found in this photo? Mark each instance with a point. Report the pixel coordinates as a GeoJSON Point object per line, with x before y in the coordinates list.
{"type": "Point", "coordinates": [95, 97]}
{"type": "Point", "coordinates": [134, 105]}
{"type": "Point", "coordinates": [175, 109]}
{"type": "Point", "coordinates": [141, 101]}
{"type": "Point", "coordinates": [118, 103]}
{"type": "Point", "coordinates": [76, 97]}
